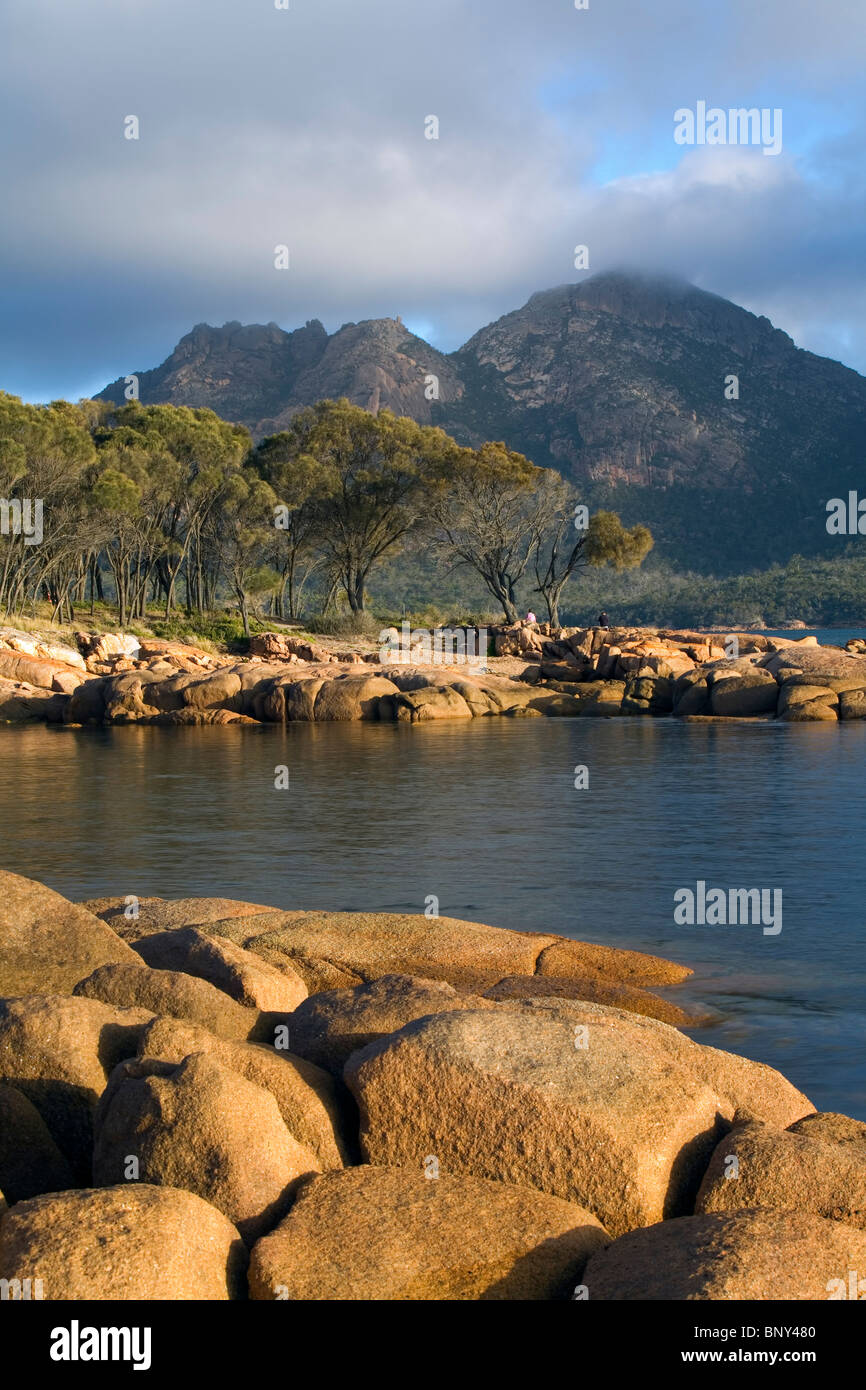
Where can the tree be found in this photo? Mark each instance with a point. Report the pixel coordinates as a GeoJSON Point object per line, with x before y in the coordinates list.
{"type": "Point", "coordinates": [562, 548]}
{"type": "Point", "coordinates": [133, 495]}
{"type": "Point", "coordinates": [118, 498]}
{"type": "Point", "coordinates": [488, 518]}
{"type": "Point", "coordinates": [298, 481]}
{"type": "Point", "coordinates": [208, 452]}
{"type": "Point", "coordinates": [241, 533]}
{"type": "Point", "coordinates": [45, 452]}
{"type": "Point", "coordinates": [162, 494]}
{"type": "Point", "coordinates": [378, 475]}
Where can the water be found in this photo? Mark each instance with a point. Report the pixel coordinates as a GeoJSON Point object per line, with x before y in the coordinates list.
{"type": "Point", "coordinates": [485, 815]}
{"type": "Point", "coordinates": [827, 636]}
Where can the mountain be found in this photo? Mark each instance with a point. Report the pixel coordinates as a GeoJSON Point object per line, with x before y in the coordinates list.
{"type": "Point", "coordinates": [619, 382]}
{"type": "Point", "coordinates": [260, 375]}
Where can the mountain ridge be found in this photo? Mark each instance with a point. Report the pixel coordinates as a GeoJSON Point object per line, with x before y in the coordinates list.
{"type": "Point", "coordinates": [619, 381]}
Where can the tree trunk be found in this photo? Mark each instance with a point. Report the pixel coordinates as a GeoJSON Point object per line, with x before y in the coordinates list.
{"type": "Point", "coordinates": [355, 593]}
{"type": "Point", "coordinates": [551, 598]}
{"type": "Point", "coordinates": [290, 577]}
{"type": "Point", "coordinates": [509, 607]}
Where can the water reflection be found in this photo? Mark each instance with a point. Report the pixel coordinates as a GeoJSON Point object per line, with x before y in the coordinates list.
{"type": "Point", "coordinates": [486, 816]}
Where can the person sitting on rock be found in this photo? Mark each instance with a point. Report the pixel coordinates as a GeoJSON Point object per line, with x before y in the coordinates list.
{"type": "Point", "coordinates": [602, 620]}
{"type": "Point", "coordinates": [530, 617]}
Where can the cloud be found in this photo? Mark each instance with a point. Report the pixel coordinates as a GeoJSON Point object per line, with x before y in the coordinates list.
{"type": "Point", "coordinates": [306, 127]}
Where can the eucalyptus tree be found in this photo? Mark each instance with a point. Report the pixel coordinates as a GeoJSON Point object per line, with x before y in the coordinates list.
{"type": "Point", "coordinates": [487, 518]}
{"type": "Point", "coordinates": [207, 452]}
{"type": "Point", "coordinates": [241, 530]}
{"type": "Point", "coordinates": [567, 538]}
{"type": "Point", "coordinates": [45, 452]}
{"type": "Point", "coordinates": [376, 477]}
{"type": "Point", "coordinates": [134, 494]}
{"type": "Point", "coordinates": [298, 482]}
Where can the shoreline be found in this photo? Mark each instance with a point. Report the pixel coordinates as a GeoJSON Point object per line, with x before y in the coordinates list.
{"type": "Point", "coordinates": [582, 672]}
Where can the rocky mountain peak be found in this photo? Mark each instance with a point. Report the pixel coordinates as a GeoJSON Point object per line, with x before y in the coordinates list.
{"type": "Point", "coordinates": [622, 381]}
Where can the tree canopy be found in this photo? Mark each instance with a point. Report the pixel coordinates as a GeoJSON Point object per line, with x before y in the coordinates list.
{"type": "Point", "coordinates": [170, 505]}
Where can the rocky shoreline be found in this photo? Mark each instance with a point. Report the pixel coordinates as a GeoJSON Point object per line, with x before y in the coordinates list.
{"type": "Point", "coordinates": [534, 671]}
{"type": "Point", "coordinates": [212, 1099]}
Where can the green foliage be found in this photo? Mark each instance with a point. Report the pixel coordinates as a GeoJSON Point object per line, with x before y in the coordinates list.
{"type": "Point", "coordinates": [818, 592]}
{"type": "Point", "coordinates": [220, 630]}
{"type": "Point", "coordinates": [345, 624]}
{"type": "Point", "coordinates": [359, 483]}
{"type": "Point", "coordinates": [116, 492]}
{"type": "Point", "coordinates": [563, 548]}
{"type": "Point", "coordinates": [608, 542]}
{"type": "Point", "coordinates": [148, 506]}
{"type": "Point", "coordinates": [487, 517]}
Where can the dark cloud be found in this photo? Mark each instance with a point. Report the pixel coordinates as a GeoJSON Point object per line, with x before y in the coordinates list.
{"type": "Point", "coordinates": [306, 127]}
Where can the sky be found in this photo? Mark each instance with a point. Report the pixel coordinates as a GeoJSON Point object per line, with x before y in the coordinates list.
{"type": "Point", "coordinates": [306, 127]}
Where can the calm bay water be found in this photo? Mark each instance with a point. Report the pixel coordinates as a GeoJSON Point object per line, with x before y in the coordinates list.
{"type": "Point", "coordinates": [827, 636]}
{"type": "Point", "coordinates": [485, 815]}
